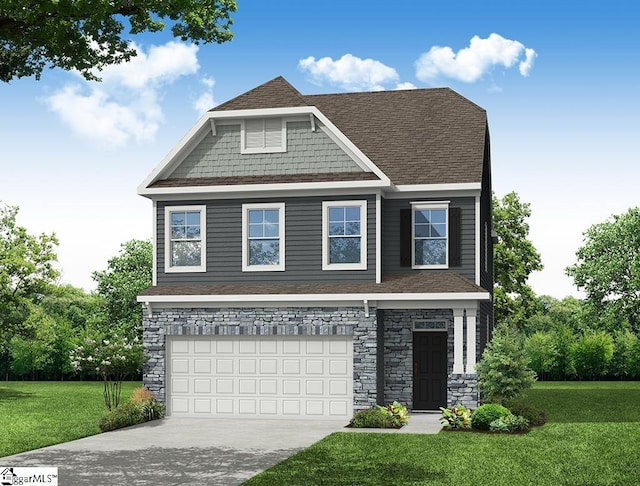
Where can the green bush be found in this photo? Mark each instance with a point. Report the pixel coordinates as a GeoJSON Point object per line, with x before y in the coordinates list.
{"type": "Point", "coordinates": [482, 417]}
{"type": "Point", "coordinates": [503, 371]}
{"type": "Point", "coordinates": [131, 413]}
{"type": "Point", "coordinates": [398, 413]}
{"type": "Point", "coordinates": [533, 414]}
{"type": "Point", "coordinates": [372, 418]}
{"type": "Point", "coordinates": [456, 417]}
{"type": "Point", "coordinates": [509, 423]}
{"type": "Point", "coordinates": [592, 354]}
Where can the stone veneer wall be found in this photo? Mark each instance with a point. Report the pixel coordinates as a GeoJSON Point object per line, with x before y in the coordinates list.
{"type": "Point", "coordinates": [398, 358]}
{"type": "Point", "coordinates": [290, 321]}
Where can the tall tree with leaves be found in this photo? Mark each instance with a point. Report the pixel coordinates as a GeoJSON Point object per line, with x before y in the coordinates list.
{"type": "Point", "coordinates": [608, 269]}
{"type": "Point", "coordinates": [87, 35]}
{"type": "Point", "coordinates": [515, 258]}
{"type": "Point", "coordinates": [127, 274]}
{"type": "Point", "coordinates": [26, 270]}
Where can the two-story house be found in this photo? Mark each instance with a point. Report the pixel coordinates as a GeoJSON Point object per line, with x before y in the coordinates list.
{"type": "Point", "coordinates": [316, 255]}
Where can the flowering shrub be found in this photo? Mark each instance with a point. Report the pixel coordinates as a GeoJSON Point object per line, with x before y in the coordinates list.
{"type": "Point", "coordinates": [113, 359]}
{"type": "Point", "coordinates": [456, 417]}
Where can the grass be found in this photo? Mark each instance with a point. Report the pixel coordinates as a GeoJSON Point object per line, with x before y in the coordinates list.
{"type": "Point", "coordinates": [38, 414]}
{"type": "Point", "coordinates": [591, 439]}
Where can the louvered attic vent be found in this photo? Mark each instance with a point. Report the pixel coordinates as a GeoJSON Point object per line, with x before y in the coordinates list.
{"type": "Point", "coordinates": [263, 135]}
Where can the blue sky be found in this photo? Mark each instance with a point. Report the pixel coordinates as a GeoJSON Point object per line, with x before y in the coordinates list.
{"type": "Point", "coordinates": [558, 80]}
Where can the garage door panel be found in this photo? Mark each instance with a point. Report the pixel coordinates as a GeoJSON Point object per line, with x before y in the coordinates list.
{"type": "Point", "coordinates": [254, 376]}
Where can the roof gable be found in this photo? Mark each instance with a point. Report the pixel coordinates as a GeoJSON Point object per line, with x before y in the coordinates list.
{"type": "Point", "coordinates": [406, 137]}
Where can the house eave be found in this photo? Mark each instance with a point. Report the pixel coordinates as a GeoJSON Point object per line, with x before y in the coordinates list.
{"type": "Point", "coordinates": [187, 192]}
{"type": "Point", "coordinates": [383, 300]}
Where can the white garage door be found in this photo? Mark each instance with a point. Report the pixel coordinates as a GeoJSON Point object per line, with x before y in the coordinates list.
{"type": "Point", "coordinates": [260, 376]}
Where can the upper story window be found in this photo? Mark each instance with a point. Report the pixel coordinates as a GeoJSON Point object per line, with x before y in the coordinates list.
{"type": "Point", "coordinates": [344, 235]}
{"type": "Point", "coordinates": [185, 239]}
{"type": "Point", "coordinates": [263, 135]}
{"type": "Point", "coordinates": [263, 237]}
{"type": "Point", "coordinates": [430, 235]}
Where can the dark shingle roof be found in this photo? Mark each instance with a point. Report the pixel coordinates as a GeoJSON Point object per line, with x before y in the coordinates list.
{"type": "Point", "coordinates": [420, 136]}
{"type": "Point", "coordinates": [432, 282]}
{"type": "Point", "coordinates": [266, 179]}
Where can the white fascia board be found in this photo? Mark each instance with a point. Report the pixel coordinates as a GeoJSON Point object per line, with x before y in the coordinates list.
{"type": "Point", "coordinates": [178, 152]}
{"type": "Point", "coordinates": [404, 191]}
{"type": "Point", "coordinates": [213, 191]}
{"type": "Point", "coordinates": [334, 299]}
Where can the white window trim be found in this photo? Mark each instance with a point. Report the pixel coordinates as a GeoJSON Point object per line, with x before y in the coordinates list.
{"type": "Point", "coordinates": [263, 150]}
{"type": "Point", "coordinates": [325, 236]}
{"type": "Point", "coordinates": [428, 205]}
{"type": "Point", "coordinates": [245, 238]}
{"type": "Point", "coordinates": [167, 239]}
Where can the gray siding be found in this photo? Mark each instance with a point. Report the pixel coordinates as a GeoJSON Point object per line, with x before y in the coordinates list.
{"type": "Point", "coordinates": [303, 240]}
{"type": "Point", "coordinates": [307, 152]}
{"type": "Point", "coordinates": [391, 236]}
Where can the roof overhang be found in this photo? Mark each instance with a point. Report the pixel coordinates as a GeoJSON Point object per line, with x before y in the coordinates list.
{"type": "Point", "coordinates": [204, 126]}
{"type": "Point", "coordinates": [451, 300]}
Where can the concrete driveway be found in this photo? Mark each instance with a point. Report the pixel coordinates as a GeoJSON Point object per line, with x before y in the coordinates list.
{"type": "Point", "coordinates": [178, 451]}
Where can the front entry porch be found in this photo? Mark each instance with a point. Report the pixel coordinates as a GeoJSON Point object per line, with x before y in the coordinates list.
{"type": "Point", "coordinates": [430, 356]}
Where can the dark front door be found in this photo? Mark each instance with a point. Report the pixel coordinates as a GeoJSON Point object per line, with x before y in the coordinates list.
{"type": "Point", "coordinates": [429, 370]}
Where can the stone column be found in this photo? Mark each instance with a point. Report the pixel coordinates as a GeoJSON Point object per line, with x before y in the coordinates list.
{"type": "Point", "coordinates": [458, 340]}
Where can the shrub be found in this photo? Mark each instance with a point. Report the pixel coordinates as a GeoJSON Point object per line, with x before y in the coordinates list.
{"type": "Point", "coordinates": [485, 414]}
{"type": "Point", "coordinates": [141, 407]}
{"type": "Point", "coordinates": [141, 394]}
{"type": "Point", "coordinates": [533, 414]}
{"type": "Point", "coordinates": [509, 423]}
{"type": "Point", "coordinates": [125, 415]}
{"type": "Point", "coordinates": [456, 417]}
{"type": "Point", "coordinates": [398, 413]}
{"type": "Point", "coordinates": [541, 352]}
{"type": "Point", "coordinates": [503, 372]}
{"type": "Point", "coordinates": [372, 418]}
{"type": "Point", "coordinates": [592, 354]}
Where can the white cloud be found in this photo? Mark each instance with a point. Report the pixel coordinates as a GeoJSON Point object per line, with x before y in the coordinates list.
{"type": "Point", "coordinates": [126, 104]}
{"type": "Point", "coordinates": [406, 85]}
{"type": "Point", "coordinates": [205, 101]}
{"type": "Point", "coordinates": [349, 72]}
{"type": "Point", "coordinates": [471, 63]}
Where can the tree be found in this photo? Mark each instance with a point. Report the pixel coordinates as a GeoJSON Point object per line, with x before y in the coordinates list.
{"type": "Point", "coordinates": [26, 269]}
{"type": "Point", "coordinates": [113, 359]}
{"type": "Point", "coordinates": [592, 354]}
{"type": "Point", "coordinates": [503, 371]}
{"type": "Point", "coordinates": [608, 269]}
{"type": "Point", "coordinates": [86, 35]}
{"type": "Point", "coordinates": [515, 258]}
{"type": "Point", "coordinates": [541, 352]}
{"type": "Point", "coordinates": [127, 274]}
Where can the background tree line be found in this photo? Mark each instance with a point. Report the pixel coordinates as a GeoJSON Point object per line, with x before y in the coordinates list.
{"type": "Point", "coordinates": [42, 321]}
{"type": "Point", "coordinates": [593, 338]}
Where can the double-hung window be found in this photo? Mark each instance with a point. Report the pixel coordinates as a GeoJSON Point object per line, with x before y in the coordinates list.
{"type": "Point", "coordinates": [430, 235]}
{"type": "Point", "coordinates": [185, 239]}
{"type": "Point", "coordinates": [344, 235]}
{"type": "Point", "coordinates": [263, 237]}
{"type": "Point", "coordinates": [263, 135]}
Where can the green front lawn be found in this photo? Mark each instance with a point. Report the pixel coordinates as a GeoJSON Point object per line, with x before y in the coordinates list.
{"type": "Point", "coordinates": [591, 439]}
{"type": "Point", "coordinates": [38, 414]}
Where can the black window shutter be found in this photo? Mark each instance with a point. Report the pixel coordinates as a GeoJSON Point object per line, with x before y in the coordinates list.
{"type": "Point", "coordinates": [455, 237]}
{"type": "Point", "coordinates": [405, 237]}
